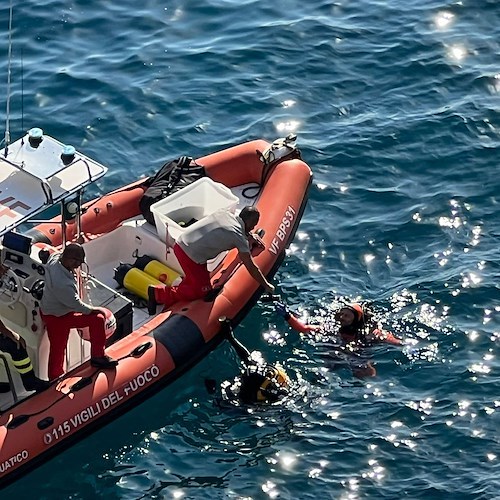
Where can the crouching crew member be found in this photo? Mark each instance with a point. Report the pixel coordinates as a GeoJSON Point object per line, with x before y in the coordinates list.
{"type": "Point", "coordinates": [203, 241]}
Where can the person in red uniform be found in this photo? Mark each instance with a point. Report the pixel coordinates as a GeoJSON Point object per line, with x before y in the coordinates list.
{"type": "Point", "coordinates": [358, 325]}
{"type": "Point", "coordinates": [357, 329]}
{"type": "Point", "coordinates": [62, 308]}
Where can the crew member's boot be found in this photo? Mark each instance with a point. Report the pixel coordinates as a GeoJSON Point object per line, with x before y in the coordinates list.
{"type": "Point", "coordinates": [152, 303]}
{"type": "Point", "coordinates": [32, 383]}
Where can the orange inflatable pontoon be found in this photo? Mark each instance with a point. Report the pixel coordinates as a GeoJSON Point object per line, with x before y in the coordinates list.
{"type": "Point", "coordinates": [38, 173]}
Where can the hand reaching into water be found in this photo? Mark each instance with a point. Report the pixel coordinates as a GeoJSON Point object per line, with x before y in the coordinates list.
{"type": "Point", "coordinates": [282, 310]}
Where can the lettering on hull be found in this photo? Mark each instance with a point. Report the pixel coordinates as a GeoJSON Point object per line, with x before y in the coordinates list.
{"type": "Point", "coordinates": [93, 411]}
{"type": "Point", "coordinates": [283, 230]}
{"type": "Point", "coordinates": [15, 460]}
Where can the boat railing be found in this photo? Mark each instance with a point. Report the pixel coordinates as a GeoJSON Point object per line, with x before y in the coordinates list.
{"type": "Point", "coordinates": [45, 181]}
{"type": "Point", "coordinates": [38, 176]}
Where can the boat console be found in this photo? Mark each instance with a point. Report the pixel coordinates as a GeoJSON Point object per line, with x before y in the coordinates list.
{"type": "Point", "coordinates": [21, 286]}
{"type": "Point", "coordinates": [37, 172]}
{"type": "Point", "coordinates": [20, 291]}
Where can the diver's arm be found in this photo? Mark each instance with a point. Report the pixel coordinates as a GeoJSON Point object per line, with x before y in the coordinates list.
{"type": "Point", "coordinates": [295, 323]}
{"type": "Point", "coordinates": [379, 335]}
{"type": "Point", "coordinates": [242, 352]}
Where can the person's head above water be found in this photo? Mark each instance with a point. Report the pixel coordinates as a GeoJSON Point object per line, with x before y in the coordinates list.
{"type": "Point", "coordinates": [259, 381]}
{"type": "Point", "coordinates": [351, 315]}
{"type": "Point", "coordinates": [263, 383]}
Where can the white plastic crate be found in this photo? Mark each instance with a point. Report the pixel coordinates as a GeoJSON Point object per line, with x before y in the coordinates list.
{"type": "Point", "coordinates": [195, 201]}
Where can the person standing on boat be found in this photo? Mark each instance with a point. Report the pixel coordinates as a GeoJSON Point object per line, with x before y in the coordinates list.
{"type": "Point", "coordinates": [62, 309]}
{"type": "Point", "coordinates": [14, 345]}
{"type": "Point", "coordinates": [203, 241]}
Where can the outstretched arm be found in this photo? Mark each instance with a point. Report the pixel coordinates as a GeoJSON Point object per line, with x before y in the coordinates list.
{"type": "Point", "coordinates": [255, 272]}
{"type": "Point", "coordinates": [295, 323]}
{"type": "Point", "coordinates": [242, 352]}
{"type": "Point", "coordinates": [385, 336]}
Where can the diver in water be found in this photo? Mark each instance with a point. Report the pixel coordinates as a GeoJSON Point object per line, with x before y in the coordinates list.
{"type": "Point", "coordinates": [357, 325]}
{"type": "Point", "coordinates": [357, 329]}
{"type": "Point", "coordinates": [259, 382]}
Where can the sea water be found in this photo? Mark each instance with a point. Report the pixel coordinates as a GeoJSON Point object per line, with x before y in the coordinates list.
{"type": "Point", "coordinates": [396, 107]}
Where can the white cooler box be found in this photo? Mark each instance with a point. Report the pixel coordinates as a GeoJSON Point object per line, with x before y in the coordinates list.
{"type": "Point", "coordinates": [199, 199]}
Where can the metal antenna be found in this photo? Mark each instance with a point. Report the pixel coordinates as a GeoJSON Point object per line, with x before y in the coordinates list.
{"type": "Point", "coordinates": [7, 118]}
{"type": "Point", "coordinates": [22, 93]}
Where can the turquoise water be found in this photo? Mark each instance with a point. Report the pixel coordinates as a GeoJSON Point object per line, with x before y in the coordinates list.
{"type": "Point", "coordinates": [396, 106]}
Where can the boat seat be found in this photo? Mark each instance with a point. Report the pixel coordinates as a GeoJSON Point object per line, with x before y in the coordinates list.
{"type": "Point", "coordinates": [15, 313]}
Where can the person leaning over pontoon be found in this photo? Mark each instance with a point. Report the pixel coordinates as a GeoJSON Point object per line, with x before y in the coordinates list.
{"type": "Point", "coordinates": [13, 344]}
{"type": "Point", "coordinates": [203, 241]}
{"type": "Point", "coordinates": [62, 308]}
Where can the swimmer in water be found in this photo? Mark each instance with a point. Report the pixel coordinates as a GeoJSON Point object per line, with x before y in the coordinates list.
{"type": "Point", "coordinates": [357, 329]}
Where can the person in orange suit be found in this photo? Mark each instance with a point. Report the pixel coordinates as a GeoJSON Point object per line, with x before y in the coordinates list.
{"type": "Point", "coordinates": [357, 329]}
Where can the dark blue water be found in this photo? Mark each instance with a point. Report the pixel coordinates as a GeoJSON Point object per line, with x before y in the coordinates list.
{"type": "Point", "coordinates": [397, 108]}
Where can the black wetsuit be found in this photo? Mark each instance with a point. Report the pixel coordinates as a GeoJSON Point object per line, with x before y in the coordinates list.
{"type": "Point", "coordinates": [257, 382]}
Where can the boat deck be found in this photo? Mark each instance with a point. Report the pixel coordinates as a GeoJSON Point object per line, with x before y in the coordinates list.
{"type": "Point", "coordinates": [104, 253]}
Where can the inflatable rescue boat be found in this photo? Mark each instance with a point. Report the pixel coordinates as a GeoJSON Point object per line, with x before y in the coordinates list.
{"type": "Point", "coordinates": [125, 253]}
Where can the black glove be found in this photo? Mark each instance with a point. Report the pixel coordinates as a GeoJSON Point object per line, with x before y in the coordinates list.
{"type": "Point", "coordinates": [282, 310]}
